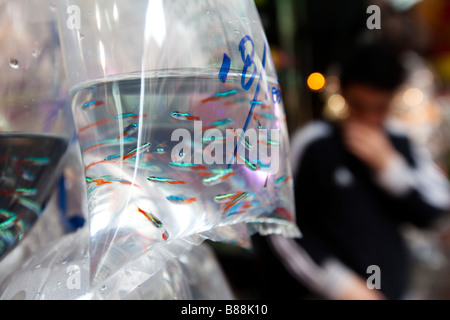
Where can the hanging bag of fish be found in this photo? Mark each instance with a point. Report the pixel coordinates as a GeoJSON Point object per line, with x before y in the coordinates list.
{"type": "Point", "coordinates": [181, 127]}
{"type": "Point", "coordinates": [36, 125]}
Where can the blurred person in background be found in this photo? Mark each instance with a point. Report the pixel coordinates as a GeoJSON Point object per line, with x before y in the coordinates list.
{"type": "Point", "coordinates": [357, 181]}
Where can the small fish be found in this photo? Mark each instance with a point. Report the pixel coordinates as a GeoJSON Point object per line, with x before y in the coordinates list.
{"type": "Point", "coordinates": [248, 163]}
{"type": "Point", "coordinates": [107, 160]}
{"type": "Point", "coordinates": [122, 181]}
{"type": "Point", "coordinates": [118, 157]}
{"type": "Point", "coordinates": [219, 123]}
{"type": "Point", "coordinates": [160, 148]}
{"type": "Point", "coordinates": [132, 128]}
{"type": "Point", "coordinates": [150, 217]}
{"type": "Point", "coordinates": [113, 157]}
{"type": "Point", "coordinates": [130, 115]}
{"type": "Point", "coordinates": [183, 116]}
{"type": "Point", "coordinates": [256, 102]}
{"type": "Point", "coordinates": [282, 179]}
{"type": "Point", "coordinates": [260, 103]}
{"type": "Point", "coordinates": [265, 115]}
{"type": "Point", "coordinates": [243, 208]}
{"type": "Point", "coordinates": [219, 175]}
{"type": "Point", "coordinates": [93, 125]}
{"type": "Point", "coordinates": [101, 182]}
{"type": "Point", "coordinates": [8, 222]}
{"type": "Point", "coordinates": [155, 221]}
{"type": "Point", "coordinates": [164, 180]}
{"type": "Point", "coordinates": [269, 142]}
{"type": "Point", "coordinates": [187, 166]}
{"type": "Point", "coordinates": [244, 141]}
{"type": "Point", "coordinates": [235, 102]}
{"type": "Point", "coordinates": [20, 192]}
{"type": "Point", "coordinates": [130, 154]}
{"type": "Point", "coordinates": [145, 147]}
{"type": "Point", "coordinates": [108, 180]}
{"type": "Point", "coordinates": [30, 204]}
{"type": "Point", "coordinates": [220, 95]}
{"type": "Point", "coordinates": [107, 143]}
{"type": "Point", "coordinates": [181, 200]}
{"type": "Point", "coordinates": [238, 198]}
{"type": "Point", "coordinates": [207, 139]}
{"type": "Point", "coordinates": [25, 192]}
{"type": "Point", "coordinates": [226, 197]}
{"type": "Point", "coordinates": [260, 164]}
{"type": "Point", "coordinates": [24, 174]}
{"type": "Point", "coordinates": [205, 174]}
{"type": "Point", "coordinates": [93, 103]}
{"type": "Point", "coordinates": [37, 161]}
{"type": "Point", "coordinates": [6, 214]}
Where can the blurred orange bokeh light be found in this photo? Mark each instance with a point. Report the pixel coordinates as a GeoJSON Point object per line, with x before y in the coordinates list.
{"type": "Point", "coordinates": [316, 81]}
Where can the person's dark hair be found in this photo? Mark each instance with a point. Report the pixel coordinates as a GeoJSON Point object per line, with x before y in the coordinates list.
{"type": "Point", "coordinates": [376, 65]}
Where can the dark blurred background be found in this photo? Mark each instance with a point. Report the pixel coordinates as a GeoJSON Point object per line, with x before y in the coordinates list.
{"type": "Point", "coordinates": [309, 36]}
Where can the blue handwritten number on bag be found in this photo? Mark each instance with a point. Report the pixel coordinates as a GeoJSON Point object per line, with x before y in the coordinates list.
{"type": "Point", "coordinates": [248, 62]}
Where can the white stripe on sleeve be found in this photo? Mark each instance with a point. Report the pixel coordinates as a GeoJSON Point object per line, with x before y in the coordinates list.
{"type": "Point", "coordinates": [426, 178]}
{"type": "Point", "coordinates": [328, 281]}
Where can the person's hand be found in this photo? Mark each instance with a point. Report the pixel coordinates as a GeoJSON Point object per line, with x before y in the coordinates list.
{"type": "Point", "coordinates": [356, 289]}
{"type": "Point", "coordinates": [370, 144]}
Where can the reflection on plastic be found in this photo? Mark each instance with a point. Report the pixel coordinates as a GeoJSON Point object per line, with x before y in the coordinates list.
{"type": "Point", "coordinates": [60, 271]}
{"type": "Point", "coordinates": [35, 117]}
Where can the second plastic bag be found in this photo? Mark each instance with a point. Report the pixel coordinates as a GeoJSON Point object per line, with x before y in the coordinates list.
{"type": "Point", "coordinates": [36, 123]}
{"type": "Point", "coordinates": [181, 127]}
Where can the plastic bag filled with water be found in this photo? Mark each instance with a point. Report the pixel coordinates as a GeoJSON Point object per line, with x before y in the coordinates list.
{"type": "Point", "coordinates": [36, 123]}
{"type": "Point", "coordinates": [181, 127]}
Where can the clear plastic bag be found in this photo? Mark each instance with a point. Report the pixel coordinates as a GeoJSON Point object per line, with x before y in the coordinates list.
{"type": "Point", "coordinates": [181, 127]}
{"type": "Point", "coordinates": [36, 125]}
